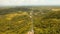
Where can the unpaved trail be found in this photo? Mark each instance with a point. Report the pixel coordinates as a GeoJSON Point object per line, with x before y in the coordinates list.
{"type": "Point", "coordinates": [31, 32]}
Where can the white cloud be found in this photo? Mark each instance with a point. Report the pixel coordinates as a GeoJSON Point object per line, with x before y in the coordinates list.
{"type": "Point", "coordinates": [29, 2]}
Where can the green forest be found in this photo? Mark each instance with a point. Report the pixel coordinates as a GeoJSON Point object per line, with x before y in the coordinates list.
{"type": "Point", "coordinates": [17, 20]}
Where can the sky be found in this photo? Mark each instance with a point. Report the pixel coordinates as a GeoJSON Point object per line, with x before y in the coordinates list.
{"type": "Point", "coordinates": [28, 2]}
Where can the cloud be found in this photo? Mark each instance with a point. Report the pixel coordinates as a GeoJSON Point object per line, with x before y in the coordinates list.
{"type": "Point", "coordinates": [29, 2]}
